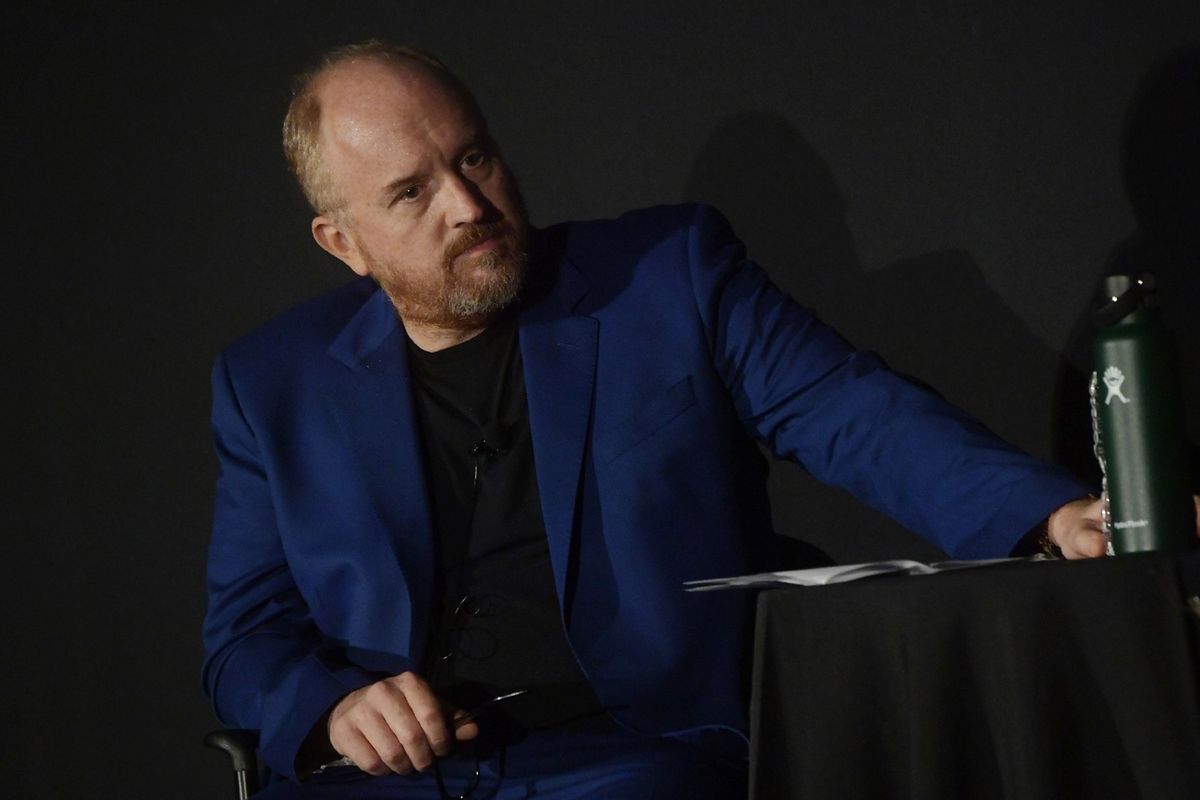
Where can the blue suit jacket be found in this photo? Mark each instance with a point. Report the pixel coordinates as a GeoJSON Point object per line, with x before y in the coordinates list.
{"type": "Point", "coordinates": [652, 350]}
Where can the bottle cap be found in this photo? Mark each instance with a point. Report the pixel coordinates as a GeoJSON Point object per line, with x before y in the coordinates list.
{"type": "Point", "coordinates": [1121, 295]}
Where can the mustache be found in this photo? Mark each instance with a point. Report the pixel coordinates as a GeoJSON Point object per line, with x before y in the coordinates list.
{"type": "Point", "coordinates": [473, 235]}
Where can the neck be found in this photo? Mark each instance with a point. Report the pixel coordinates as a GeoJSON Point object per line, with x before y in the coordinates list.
{"type": "Point", "coordinates": [432, 338]}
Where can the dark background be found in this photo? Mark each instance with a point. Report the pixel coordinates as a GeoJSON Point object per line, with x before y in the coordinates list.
{"type": "Point", "coordinates": [944, 181]}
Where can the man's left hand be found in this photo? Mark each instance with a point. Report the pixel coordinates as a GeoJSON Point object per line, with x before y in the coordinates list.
{"type": "Point", "coordinates": [1077, 530]}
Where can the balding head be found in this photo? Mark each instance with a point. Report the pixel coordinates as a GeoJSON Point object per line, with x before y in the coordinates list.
{"type": "Point", "coordinates": [351, 74]}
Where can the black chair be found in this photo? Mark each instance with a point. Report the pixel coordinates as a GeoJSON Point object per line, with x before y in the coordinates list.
{"type": "Point", "coordinates": [242, 748]}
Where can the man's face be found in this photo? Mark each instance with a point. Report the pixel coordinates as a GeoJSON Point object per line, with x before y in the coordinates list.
{"type": "Point", "coordinates": [429, 209]}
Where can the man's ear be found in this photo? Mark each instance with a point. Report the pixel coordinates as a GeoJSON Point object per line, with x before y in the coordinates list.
{"type": "Point", "coordinates": [334, 239]}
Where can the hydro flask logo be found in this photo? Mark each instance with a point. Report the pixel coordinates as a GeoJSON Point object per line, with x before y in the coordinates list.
{"type": "Point", "coordinates": [1113, 378]}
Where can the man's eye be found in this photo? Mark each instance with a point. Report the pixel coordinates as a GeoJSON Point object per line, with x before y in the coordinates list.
{"type": "Point", "coordinates": [411, 193]}
{"type": "Point", "coordinates": [474, 160]}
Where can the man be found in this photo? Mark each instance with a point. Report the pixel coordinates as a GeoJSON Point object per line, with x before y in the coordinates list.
{"type": "Point", "coordinates": [458, 497]}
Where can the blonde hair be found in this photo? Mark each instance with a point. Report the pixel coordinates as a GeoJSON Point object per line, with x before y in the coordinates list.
{"type": "Point", "coordinates": [302, 123]}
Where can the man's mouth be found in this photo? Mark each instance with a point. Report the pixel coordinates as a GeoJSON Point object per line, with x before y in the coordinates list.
{"type": "Point", "coordinates": [481, 240]}
{"type": "Point", "coordinates": [490, 243]}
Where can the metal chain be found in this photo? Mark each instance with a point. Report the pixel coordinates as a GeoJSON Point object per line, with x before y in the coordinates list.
{"type": "Point", "coordinates": [1098, 450]}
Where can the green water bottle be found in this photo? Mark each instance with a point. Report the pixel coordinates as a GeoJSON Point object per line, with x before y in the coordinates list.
{"type": "Point", "coordinates": [1140, 422]}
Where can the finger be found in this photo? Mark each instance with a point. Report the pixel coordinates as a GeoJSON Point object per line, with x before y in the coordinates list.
{"type": "Point", "coordinates": [363, 715]}
{"type": "Point", "coordinates": [347, 739]}
{"type": "Point", "coordinates": [1084, 543]}
{"type": "Point", "coordinates": [1093, 512]}
{"type": "Point", "coordinates": [408, 732]}
{"type": "Point", "coordinates": [392, 754]}
{"type": "Point", "coordinates": [464, 729]}
{"type": "Point", "coordinates": [1077, 528]}
{"type": "Point", "coordinates": [355, 746]}
{"type": "Point", "coordinates": [428, 713]}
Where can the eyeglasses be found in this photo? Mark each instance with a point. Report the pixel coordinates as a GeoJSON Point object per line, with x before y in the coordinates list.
{"type": "Point", "coordinates": [467, 640]}
{"type": "Point", "coordinates": [473, 781]}
{"type": "Point", "coordinates": [463, 640]}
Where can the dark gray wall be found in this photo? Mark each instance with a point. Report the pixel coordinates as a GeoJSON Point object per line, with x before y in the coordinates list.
{"type": "Point", "coordinates": [941, 180]}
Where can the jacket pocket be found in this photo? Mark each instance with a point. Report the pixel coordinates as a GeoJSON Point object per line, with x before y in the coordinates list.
{"type": "Point", "coordinates": [647, 420]}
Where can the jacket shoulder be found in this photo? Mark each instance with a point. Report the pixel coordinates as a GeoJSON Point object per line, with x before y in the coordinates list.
{"type": "Point", "coordinates": [645, 241]}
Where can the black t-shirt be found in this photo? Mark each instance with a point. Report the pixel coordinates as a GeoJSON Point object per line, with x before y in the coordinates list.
{"type": "Point", "coordinates": [497, 626]}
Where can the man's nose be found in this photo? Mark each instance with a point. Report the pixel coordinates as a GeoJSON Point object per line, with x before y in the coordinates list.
{"type": "Point", "coordinates": [465, 204]}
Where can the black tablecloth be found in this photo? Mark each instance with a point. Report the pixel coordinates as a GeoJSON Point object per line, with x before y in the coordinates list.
{"type": "Point", "coordinates": [1024, 680]}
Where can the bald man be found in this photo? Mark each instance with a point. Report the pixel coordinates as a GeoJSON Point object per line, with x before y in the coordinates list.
{"type": "Point", "coordinates": [459, 496]}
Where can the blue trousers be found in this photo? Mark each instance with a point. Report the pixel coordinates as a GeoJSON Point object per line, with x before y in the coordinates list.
{"type": "Point", "coordinates": [551, 766]}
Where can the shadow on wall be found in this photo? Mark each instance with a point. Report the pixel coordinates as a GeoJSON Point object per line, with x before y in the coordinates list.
{"type": "Point", "coordinates": [932, 316]}
{"type": "Point", "coordinates": [1160, 163]}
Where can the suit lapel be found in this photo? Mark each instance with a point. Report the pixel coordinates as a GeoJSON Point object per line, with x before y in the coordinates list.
{"type": "Point", "coordinates": [558, 350]}
{"type": "Point", "coordinates": [373, 404]}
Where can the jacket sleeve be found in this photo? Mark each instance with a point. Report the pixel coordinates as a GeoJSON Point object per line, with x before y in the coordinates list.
{"type": "Point", "coordinates": [851, 422]}
{"type": "Point", "coordinates": [267, 667]}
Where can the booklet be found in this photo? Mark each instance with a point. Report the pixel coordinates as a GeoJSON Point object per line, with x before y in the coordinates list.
{"type": "Point", "coordinates": [826, 576]}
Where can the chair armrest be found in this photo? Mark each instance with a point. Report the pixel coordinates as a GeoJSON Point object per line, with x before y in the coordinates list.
{"type": "Point", "coordinates": [242, 749]}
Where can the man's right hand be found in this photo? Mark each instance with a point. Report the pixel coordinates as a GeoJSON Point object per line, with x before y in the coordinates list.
{"type": "Point", "coordinates": [395, 725]}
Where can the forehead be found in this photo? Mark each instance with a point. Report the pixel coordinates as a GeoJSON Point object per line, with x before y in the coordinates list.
{"type": "Point", "coordinates": [380, 111]}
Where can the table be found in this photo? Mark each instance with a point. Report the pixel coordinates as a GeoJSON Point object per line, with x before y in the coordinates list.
{"type": "Point", "coordinates": [1023, 680]}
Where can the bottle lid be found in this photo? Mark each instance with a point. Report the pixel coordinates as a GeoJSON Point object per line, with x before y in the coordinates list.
{"type": "Point", "coordinates": [1120, 296]}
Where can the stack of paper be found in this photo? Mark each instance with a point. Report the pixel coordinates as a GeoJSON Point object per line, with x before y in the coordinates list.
{"type": "Point", "coordinates": [825, 576]}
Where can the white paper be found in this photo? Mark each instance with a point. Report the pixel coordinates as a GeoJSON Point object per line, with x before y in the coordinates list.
{"type": "Point", "coordinates": [843, 573]}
